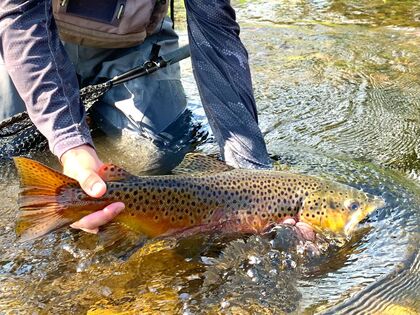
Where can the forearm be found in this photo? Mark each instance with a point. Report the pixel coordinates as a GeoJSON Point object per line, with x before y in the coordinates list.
{"type": "Point", "coordinates": [42, 73]}
{"type": "Point", "coordinates": [221, 69]}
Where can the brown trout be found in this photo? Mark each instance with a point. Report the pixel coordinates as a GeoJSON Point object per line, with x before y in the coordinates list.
{"type": "Point", "coordinates": [223, 199]}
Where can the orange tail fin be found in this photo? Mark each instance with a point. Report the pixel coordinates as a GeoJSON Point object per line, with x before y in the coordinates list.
{"type": "Point", "coordinates": [40, 209]}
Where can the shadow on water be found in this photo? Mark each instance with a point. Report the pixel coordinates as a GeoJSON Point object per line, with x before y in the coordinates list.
{"type": "Point", "coordinates": [337, 86]}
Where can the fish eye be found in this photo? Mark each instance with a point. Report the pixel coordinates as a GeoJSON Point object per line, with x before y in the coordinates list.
{"type": "Point", "coordinates": [353, 205]}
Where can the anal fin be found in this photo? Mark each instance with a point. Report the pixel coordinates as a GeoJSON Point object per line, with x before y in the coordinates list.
{"type": "Point", "coordinates": [116, 233]}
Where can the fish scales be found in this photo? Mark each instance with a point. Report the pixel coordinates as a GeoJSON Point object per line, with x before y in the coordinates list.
{"type": "Point", "coordinates": [231, 201]}
{"type": "Point", "coordinates": [181, 201]}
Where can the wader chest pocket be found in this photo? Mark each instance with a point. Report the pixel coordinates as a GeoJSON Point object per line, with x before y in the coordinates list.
{"type": "Point", "coordinates": [107, 23]}
{"type": "Point", "coordinates": [109, 11]}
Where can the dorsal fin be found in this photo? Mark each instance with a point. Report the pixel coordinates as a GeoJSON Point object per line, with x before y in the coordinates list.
{"type": "Point", "coordinates": [199, 164]}
{"type": "Point", "coordinates": [112, 173]}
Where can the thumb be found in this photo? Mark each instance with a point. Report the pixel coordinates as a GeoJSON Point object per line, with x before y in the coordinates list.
{"type": "Point", "coordinates": [82, 164]}
{"type": "Point", "coordinates": [92, 184]}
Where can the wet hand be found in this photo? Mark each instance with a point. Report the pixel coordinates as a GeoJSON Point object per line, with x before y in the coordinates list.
{"type": "Point", "coordinates": [82, 164]}
{"type": "Point", "coordinates": [305, 229]}
{"type": "Point", "coordinates": [93, 221]}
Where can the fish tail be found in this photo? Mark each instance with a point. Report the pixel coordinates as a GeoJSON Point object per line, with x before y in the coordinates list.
{"type": "Point", "coordinates": [41, 206]}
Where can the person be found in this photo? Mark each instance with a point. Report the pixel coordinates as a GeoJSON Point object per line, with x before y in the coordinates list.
{"type": "Point", "coordinates": [43, 75]}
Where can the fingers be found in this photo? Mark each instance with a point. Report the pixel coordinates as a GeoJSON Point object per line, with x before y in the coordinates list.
{"type": "Point", "coordinates": [91, 222]}
{"type": "Point", "coordinates": [82, 164]}
{"type": "Point", "coordinates": [290, 221]}
{"type": "Point", "coordinates": [306, 230]}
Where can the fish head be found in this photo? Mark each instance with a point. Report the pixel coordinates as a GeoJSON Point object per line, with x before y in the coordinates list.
{"type": "Point", "coordinates": [337, 208]}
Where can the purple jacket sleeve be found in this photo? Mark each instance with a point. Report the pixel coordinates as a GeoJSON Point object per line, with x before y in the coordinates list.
{"type": "Point", "coordinates": [42, 72]}
{"type": "Point", "coordinates": [221, 69]}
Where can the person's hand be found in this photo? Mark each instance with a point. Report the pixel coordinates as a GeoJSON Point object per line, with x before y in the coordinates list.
{"type": "Point", "coordinates": [82, 164]}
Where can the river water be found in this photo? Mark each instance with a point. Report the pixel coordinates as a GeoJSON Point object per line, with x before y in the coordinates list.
{"type": "Point", "coordinates": [337, 85]}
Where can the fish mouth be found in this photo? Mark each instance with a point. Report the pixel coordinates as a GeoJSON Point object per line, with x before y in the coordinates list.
{"type": "Point", "coordinates": [374, 203]}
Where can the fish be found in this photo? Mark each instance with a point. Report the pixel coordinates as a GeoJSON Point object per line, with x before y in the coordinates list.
{"type": "Point", "coordinates": [202, 195]}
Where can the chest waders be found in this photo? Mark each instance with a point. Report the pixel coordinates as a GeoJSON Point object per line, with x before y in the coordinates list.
{"type": "Point", "coordinates": [19, 136]}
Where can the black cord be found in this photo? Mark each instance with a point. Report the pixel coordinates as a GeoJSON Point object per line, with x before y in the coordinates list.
{"type": "Point", "coordinates": [173, 14]}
